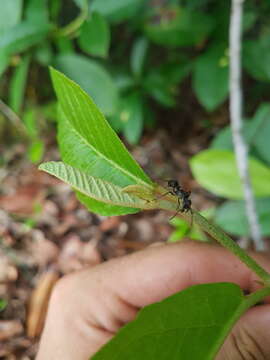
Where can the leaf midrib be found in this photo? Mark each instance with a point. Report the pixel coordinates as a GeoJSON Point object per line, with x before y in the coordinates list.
{"type": "Point", "coordinates": [113, 164]}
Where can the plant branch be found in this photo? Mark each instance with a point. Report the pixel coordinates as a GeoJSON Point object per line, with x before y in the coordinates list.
{"type": "Point", "coordinates": [13, 118]}
{"type": "Point", "coordinates": [219, 235]}
{"type": "Point", "coordinates": [236, 121]}
{"type": "Point", "coordinates": [250, 300]}
{"type": "Point", "coordinates": [74, 25]}
{"type": "Point", "coordinates": [169, 203]}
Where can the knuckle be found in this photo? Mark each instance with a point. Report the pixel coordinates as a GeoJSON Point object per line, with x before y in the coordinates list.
{"type": "Point", "coordinates": [62, 289]}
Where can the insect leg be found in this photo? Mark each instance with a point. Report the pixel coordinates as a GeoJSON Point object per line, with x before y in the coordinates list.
{"type": "Point", "coordinates": [160, 196]}
{"type": "Point", "coordinates": [178, 209]}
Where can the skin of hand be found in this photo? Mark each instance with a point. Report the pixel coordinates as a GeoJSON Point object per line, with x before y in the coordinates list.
{"type": "Point", "coordinates": [88, 307]}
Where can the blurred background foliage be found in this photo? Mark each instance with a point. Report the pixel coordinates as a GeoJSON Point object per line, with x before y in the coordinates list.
{"type": "Point", "coordinates": [140, 60]}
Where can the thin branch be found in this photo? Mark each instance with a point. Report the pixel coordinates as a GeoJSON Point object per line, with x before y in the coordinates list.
{"type": "Point", "coordinates": [12, 117]}
{"type": "Point", "coordinates": [236, 120]}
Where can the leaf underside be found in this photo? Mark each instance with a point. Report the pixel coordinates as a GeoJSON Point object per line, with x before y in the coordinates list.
{"type": "Point", "coordinates": [96, 188]}
{"type": "Point", "coordinates": [188, 325]}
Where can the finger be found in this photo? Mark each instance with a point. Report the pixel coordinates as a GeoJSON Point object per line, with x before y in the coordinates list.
{"type": "Point", "coordinates": [155, 273]}
{"type": "Point", "coordinates": [109, 295]}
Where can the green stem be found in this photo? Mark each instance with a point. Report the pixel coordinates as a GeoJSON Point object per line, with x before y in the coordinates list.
{"type": "Point", "coordinates": [168, 201]}
{"type": "Point", "coordinates": [74, 25]}
{"type": "Point", "coordinates": [232, 246]}
{"type": "Point", "coordinates": [248, 302]}
{"type": "Point", "coordinates": [255, 297]}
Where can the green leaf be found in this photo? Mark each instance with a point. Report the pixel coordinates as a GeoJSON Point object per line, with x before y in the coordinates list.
{"type": "Point", "coordinates": [210, 78]}
{"type": "Point", "coordinates": [21, 36]}
{"type": "Point", "coordinates": [64, 45]}
{"type": "Point", "coordinates": [91, 145]}
{"type": "Point", "coordinates": [10, 14]}
{"type": "Point", "coordinates": [138, 55]}
{"type": "Point", "coordinates": [223, 139]}
{"type": "Point", "coordinates": [256, 58]}
{"type": "Point", "coordinates": [256, 132]}
{"type": "Point", "coordinates": [191, 324]}
{"type": "Point", "coordinates": [116, 11]}
{"type": "Point", "coordinates": [131, 114]}
{"type": "Point", "coordinates": [81, 3]}
{"type": "Point", "coordinates": [44, 53]}
{"type": "Point", "coordinates": [4, 62]}
{"type": "Point", "coordinates": [36, 151]}
{"type": "Point", "coordinates": [162, 83]}
{"type": "Point", "coordinates": [54, 9]}
{"type": "Point", "coordinates": [232, 217]}
{"type": "Point", "coordinates": [37, 12]}
{"type": "Point", "coordinates": [3, 304]}
{"type": "Point", "coordinates": [249, 19]}
{"type": "Point", "coordinates": [92, 77]}
{"type": "Point", "coordinates": [95, 36]}
{"type": "Point", "coordinates": [29, 118]}
{"type": "Point", "coordinates": [93, 187]}
{"type": "Point", "coordinates": [160, 89]}
{"type": "Point", "coordinates": [216, 171]}
{"type": "Point", "coordinates": [261, 134]}
{"type": "Point", "coordinates": [174, 27]}
{"type": "Point", "coordinates": [17, 84]}
{"type": "Point", "coordinates": [184, 228]}
{"type": "Point", "coordinates": [75, 152]}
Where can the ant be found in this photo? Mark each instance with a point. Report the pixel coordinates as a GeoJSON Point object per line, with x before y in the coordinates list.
{"type": "Point", "coordinates": [177, 190]}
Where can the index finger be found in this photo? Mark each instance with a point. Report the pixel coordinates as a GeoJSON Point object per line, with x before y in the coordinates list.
{"type": "Point", "coordinates": [151, 275]}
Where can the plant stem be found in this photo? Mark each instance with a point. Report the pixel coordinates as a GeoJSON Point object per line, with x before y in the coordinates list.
{"type": "Point", "coordinates": [255, 297]}
{"type": "Point", "coordinates": [232, 246]}
{"type": "Point", "coordinates": [13, 118]}
{"type": "Point", "coordinates": [169, 202]}
{"type": "Point", "coordinates": [248, 302]}
{"type": "Point", "coordinates": [74, 25]}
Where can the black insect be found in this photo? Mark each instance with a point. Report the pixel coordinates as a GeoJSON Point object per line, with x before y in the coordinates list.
{"type": "Point", "coordinates": [176, 190]}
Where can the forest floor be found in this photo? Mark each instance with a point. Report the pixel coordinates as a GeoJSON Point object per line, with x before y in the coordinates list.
{"type": "Point", "coordinates": [46, 233]}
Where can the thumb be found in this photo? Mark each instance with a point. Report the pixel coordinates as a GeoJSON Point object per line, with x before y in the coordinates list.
{"type": "Point", "coordinates": [249, 338]}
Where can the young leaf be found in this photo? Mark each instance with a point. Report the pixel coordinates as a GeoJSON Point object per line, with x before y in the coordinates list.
{"type": "Point", "coordinates": [189, 325]}
{"type": "Point", "coordinates": [91, 145]}
{"type": "Point", "coordinates": [140, 191]}
{"type": "Point", "coordinates": [94, 187]}
{"type": "Point", "coordinates": [75, 152]}
{"type": "Point", "coordinates": [94, 131]}
{"type": "Point", "coordinates": [95, 36]}
{"type": "Point", "coordinates": [216, 170]}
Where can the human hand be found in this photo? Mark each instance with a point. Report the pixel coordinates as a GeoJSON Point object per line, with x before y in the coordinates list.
{"type": "Point", "coordinates": [87, 308]}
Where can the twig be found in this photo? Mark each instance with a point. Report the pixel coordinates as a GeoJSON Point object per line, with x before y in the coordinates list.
{"type": "Point", "coordinates": [12, 117]}
{"type": "Point", "coordinates": [236, 120]}
{"type": "Point", "coordinates": [71, 28]}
